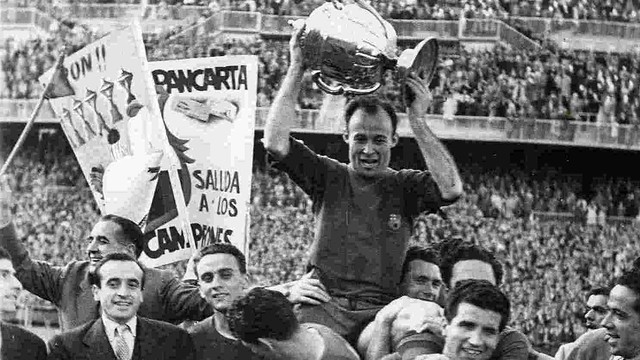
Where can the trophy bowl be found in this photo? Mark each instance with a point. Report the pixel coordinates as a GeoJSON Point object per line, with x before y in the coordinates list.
{"type": "Point", "coordinates": [349, 47]}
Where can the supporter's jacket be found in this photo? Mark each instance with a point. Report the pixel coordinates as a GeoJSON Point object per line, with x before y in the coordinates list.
{"type": "Point", "coordinates": [20, 344]}
{"type": "Point", "coordinates": [154, 340]}
{"type": "Point", "coordinates": [165, 297]}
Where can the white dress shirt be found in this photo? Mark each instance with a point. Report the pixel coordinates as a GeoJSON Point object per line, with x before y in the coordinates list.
{"type": "Point", "coordinates": [110, 327]}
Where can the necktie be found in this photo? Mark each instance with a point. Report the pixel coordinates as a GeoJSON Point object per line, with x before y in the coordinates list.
{"type": "Point", "coordinates": [121, 347]}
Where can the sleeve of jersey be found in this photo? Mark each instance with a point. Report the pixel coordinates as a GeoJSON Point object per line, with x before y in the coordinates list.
{"type": "Point", "coordinates": [421, 192]}
{"type": "Point", "coordinates": [307, 169]}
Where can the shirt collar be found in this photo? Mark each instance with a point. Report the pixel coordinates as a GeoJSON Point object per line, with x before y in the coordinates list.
{"type": "Point", "coordinates": [110, 325]}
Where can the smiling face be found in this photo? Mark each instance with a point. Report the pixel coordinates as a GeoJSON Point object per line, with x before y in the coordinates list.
{"type": "Point", "coordinates": [9, 286]}
{"type": "Point", "coordinates": [622, 322]}
{"type": "Point", "coordinates": [422, 280]}
{"type": "Point", "coordinates": [105, 238]}
{"type": "Point", "coordinates": [370, 138]}
{"type": "Point", "coordinates": [120, 290]}
{"type": "Point", "coordinates": [472, 333]}
{"type": "Point", "coordinates": [220, 280]}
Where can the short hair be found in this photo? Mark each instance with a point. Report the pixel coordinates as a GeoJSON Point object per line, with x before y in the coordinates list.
{"type": "Point", "coordinates": [370, 104]}
{"type": "Point", "coordinates": [4, 254]}
{"type": "Point", "coordinates": [416, 252]}
{"type": "Point", "coordinates": [482, 294]}
{"type": "Point", "coordinates": [598, 291]}
{"type": "Point", "coordinates": [130, 230]}
{"type": "Point", "coordinates": [94, 277]}
{"type": "Point", "coordinates": [468, 252]}
{"type": "Point", "coordinates": [631, 279]}
{"type": "Point", "coordinates": [220, 248]}
{"type": "Point", "coordinates": [262, 313]}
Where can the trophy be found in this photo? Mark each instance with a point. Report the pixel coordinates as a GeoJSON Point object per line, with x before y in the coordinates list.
{"type": "Point", "coordinates": [107, 90]}
{"type": "Point", "coordinates": [125, 81]}
{"type": "Point", "coordinates": [113, 135]}
{"type": "Point", "coordinates": [77, 108]}
{"type": "Point", "coordinates": [349, 47]}
{"type": "Point", "coordinates": [90, 99]}
{"type": "Point", "coordinates": [67, 124]}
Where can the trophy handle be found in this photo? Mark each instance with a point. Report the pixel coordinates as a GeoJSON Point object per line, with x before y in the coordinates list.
{"type": "Point", "coordinates": [340, 89]}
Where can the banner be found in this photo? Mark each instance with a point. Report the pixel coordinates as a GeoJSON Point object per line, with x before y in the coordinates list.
{"type": "Point", "coordinates": [209, 107]}
{"type": "Point", "coordinates": [114, 125]}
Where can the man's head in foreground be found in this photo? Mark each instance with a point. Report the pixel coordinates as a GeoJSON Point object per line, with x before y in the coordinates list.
{"type": "Point", "coordinates": [623, 318]}
{"type": "Point", "coordinates": [477, 311]}
{"type": "Point", "coordinates": [421, 278]}
{"type": "Point", "coordinates": [596, 307]}
{"type": "Point", "coordinates": [222, 274]}
{"type": "Point", "coordinates": [264, 320]}
{"type": "Point", "coordinates": [114, 234]}
{"type": "Point", "coordinates": [117, 282]}
{"type": "Point", "coordinates": [10, 287]}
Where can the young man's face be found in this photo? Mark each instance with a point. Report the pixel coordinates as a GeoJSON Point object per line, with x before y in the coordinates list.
{"type": "Point", "coordinates": [596, 311]}
{"type": "Point", "coordinates": [422, 280]}
{"type": "Point", "coordinates": [9, 286]}
{"type": "Point", "coordinates": [370, 138]}
{"type": "Point", "coordinates": [120, 291]}
{"type": "Point", "coordinates": [220, 280]}
{"type": "Point", "coordinates": [105, 238]}
{"type": "Point", "coordinates": [622, 322]}
{"type": "Point", "coordinates": [472, 333]}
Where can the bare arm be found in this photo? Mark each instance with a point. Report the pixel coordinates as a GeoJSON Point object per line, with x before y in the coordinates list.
{"type": "Point", "coordinates": [440, 163]}
{"type": "Point", "coordinates": [282, 113]}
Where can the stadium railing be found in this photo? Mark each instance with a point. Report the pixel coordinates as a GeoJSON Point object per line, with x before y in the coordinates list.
{"type": "Point", "coordinates": [543, 26]}
{"type": "Point", "coordinates": [543, 131]}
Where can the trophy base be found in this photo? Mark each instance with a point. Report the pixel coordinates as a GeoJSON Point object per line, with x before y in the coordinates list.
{"type": "Point", "coordinates": [421, 60]}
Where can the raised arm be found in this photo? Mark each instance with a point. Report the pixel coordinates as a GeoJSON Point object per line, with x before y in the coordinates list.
{"type": "Point", "coordinates": [37, 277]}
{"type": "Point", "coordinates": [282, 113]}
{"type": "Point", "coordinates": [439, 162]}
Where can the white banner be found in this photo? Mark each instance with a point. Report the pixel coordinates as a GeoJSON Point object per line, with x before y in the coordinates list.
{"type": "Point", "coordinates": [209, 107]}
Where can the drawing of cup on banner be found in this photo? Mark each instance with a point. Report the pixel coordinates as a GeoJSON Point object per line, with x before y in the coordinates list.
{"type": "Point", "coordinates": [78, 109]}
{"type": "Point", "coordinates": [90, 98]}
{"type": "Point", "coordinates": [107, 90]}
{"type": "Point", "coordinates": [70, 129]}
{"type": "Point", "coordinates": [113, 135]}
{"type": "Point", "coordinates": [125, 81]}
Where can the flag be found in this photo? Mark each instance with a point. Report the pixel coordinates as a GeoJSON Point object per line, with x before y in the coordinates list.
{"type": "Point", "coordinates": [59, 85]}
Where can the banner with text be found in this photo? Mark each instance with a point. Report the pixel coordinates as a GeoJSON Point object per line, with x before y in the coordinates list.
{"type": "Point", "coordinates": [209, 107]}
{"type": "Point", "coordinates": [130, 122]}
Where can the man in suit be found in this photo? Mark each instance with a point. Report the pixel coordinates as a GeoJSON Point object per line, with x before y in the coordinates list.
{"type": "Point", "coordinates": [166, 298]}
{"type": "Point", "coordinates": [117, 282]}
{"type": "Point", "coordinates": [16, 343]}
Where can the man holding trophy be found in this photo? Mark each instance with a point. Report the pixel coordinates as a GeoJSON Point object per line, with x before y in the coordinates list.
{"type": "Point", "coordinates": [364, 210]}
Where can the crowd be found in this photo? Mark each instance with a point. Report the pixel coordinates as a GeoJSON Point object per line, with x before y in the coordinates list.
{"type": "Point", "coordinates": [500, 82]}
{"type": "Point", "coordinates": [55, 210]}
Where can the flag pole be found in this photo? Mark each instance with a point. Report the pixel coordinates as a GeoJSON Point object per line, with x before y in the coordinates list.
{"type": "Point", "coordinates": [46, 94]}
{"type": "Point", "coordinates": [25, 131]}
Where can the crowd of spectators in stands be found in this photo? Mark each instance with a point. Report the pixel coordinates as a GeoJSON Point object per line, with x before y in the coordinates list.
{"type": "Point", "coordinates": [501, 82]}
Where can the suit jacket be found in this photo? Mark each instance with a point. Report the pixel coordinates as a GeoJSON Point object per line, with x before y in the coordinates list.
{"type": "Point", "coordinates": [20, 344]}
{"type": "Point", "coordinates": [154, 340]}
{"type": "Point", "coordinates": [165, 297]}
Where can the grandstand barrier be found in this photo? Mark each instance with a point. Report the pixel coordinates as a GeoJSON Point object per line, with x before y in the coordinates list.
{"type": "Point", "coordinates": [557, 132]}
{"type": "Point", "coordinates": [543, 26]}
